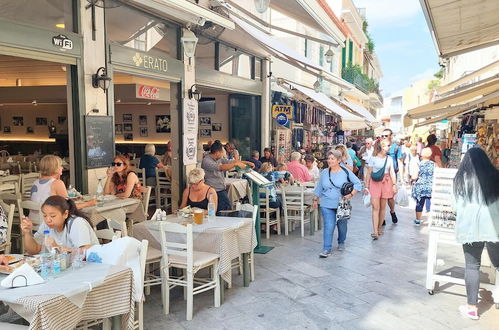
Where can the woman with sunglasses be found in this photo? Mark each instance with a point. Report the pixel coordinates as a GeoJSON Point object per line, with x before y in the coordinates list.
{"type": "Point", "coordinates": [121, 180]}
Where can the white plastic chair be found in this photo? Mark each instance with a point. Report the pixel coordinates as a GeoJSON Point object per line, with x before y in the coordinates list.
{"type": "Point", "coordinates": [294, 208]}
{"type": "Point", "coordinates": [9, 212]}
{"type": "Point", "coordinates": [268, 211]}
{"type": "Point", "coordinates": [183, 256]}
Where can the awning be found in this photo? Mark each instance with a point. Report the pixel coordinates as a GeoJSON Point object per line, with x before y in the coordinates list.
{"type": "Point", "coordinates": [441, 106]}
{"type": "Point", "coordinates": [311, 14]}
{"type": "Point", "coordinates": [489, 68]}
{"type": "Point", "coordinates": [183, 11]}
{"type": "Point", "coordinates": [359, 109]}
{"type": "Point", "coordinates": [461, 26]}
{"type": "Point", "coordinates": [284, 53]}
{"type": "Point", "coordinates": [349, 120]}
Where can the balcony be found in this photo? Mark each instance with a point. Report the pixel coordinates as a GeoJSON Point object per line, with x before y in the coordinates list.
{"type": "Point", "coordinates": [353, 74]}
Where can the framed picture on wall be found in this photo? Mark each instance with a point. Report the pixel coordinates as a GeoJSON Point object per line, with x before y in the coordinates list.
{"type": "Point", "coordinates": [41, 121]}
{"type": "Point", "coordinates": [216, 127]}
{"type": "Point", "coordinates": [143, 120]}
{"type": "Point", "coordinates": [29, 130]}
{"type": "Point", "coordinates": [205, 132]}
{"type": "Point", "coordinates": [127, 127]}
{"type": "Point", "coordinates": [144, 131]}
{"type": "Point", "coordinates": [127, 117]}
{"type": "Point", "coordinates": [18, 121]}
{"type": "Point", "coordinates": [6, 129]}
{"type": "Point", "coordinates": [163, 124]}
{"type": "Point", "coordinates": [205, 121]}
{"type": "Point", "coordinates": [118, 129]}
{"type": "Point", "coordinates": [128, 136]}
{"type": "Point", "coordinates": [61, 119]}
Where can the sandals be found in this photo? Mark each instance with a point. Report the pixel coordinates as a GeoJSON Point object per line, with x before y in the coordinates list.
{"type": "Point", "coordinates": [374, 236]}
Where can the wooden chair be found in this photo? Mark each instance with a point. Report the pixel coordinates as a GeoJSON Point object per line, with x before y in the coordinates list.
{"type": "Point", "coordinates": [11, 179]}
{"type": "Point", "coordinates": [294, 208]}
{"type": "Point", "coordinates": [16, 199]}
{"type": "Point", "coordinates": [27, 181]}
{"type": "Point", "coordinates": [163, 190]}
{"type": "Point", "coordinates": [268, 211]}
{"type": "Point", "coordinates": [26, 167]}
{"type": "Point", "coordinates": [141, 174]}
{"type": "Point", "coordinates": [9, 212]}
{"type": "Point", "coordinates": [135, 162]}
{"type": "Point", "coordinates": [146, 196]}
{"type": "Point", "coordinates": [12, 188]}
{"type": "Point", "coordinates": [183, 256]}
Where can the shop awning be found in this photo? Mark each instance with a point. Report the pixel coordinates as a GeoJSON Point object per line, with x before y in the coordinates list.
{"type": "Point", "coordinates": [462, 25]}
{"type": "Point", "coordinates": [183, 11]}
{"type": "Point", "coordinates": [489, 68]}
{"type": "Point", "coordinates": [474, 94]}
{"type": "Point", "coordinates": [285, 53]}
{"type": "Point", "coordinates": [360, 110]}
{"type": "Point", "coordinates": [349, 120]}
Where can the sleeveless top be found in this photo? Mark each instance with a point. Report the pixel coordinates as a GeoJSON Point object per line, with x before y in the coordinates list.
{"type": "Point", "coordinates": [202, 204]}
{"type": "Point", "coordinates": [40, 191]}
{"type": "Point", "coordinates": [121, 188]}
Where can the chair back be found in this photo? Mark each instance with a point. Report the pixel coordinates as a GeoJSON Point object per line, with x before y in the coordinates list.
{"type": "Point", "coordinates": [171, 248]}
{"type": "Point", "coordinates": [248, 207]}
{"type": "Point", "coordinates": [135, 162]}
{"type": "Point", "coordinates": [9, 212]}
{"type": "Point", "coordinates": [26, 167]}
{"type": "Point", "coordinates": [27, 181]}
{"type": "Point", "coordinates": [33, 206]}
{"type": "Point", "coordinates": [146, 197]}
{"type": "Point", "coordinates": [161, 180]}
{"type": "Point", "coordinates": [11, 179]}
{"type": "Point", "coordinates": [264, 201]}
{"type": "Point", "coordinates": [108, 234]}
{"type": "Point", "coordinates": [141, 174]}
{"type": "Point", "coordinates": [11, 188]}
{"type": "Point", "coordinates": [293, 197]}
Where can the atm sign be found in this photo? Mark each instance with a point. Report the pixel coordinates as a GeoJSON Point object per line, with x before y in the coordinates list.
{"type": "Point", "coordinates": [284, 109]}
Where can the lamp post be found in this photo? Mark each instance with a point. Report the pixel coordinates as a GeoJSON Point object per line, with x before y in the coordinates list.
{"type": "Point", "coordinates": [189, 42]}
{"type": "Point", "coordinates": [261, 6]}
{"type": "Point", "coordinates": [329, 55]}
{"type": "Point", "coordinates": [318, 85]}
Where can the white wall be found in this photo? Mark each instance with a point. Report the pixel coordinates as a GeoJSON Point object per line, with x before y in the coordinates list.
{"type": "Point", "coordinates": [221, 116]}
{"type": "Point", "coordinates": [468, 62]}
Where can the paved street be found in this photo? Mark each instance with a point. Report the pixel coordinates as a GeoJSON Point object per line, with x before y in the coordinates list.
{"type": "Point", "coordinates": [370, 285]}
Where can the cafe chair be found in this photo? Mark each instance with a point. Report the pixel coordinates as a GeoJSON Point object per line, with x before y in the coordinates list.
{"type": "Point", "coordinates": [268, 211]}
{"type": "Point", "coordinates": [11, 179]}
{"type": "Point", "coordinates": [183, 256]}
{"type": "Point", "coordinates": [15, 198]}
{"type": "Point", "coordinates": [141, 174]}
{"type": "Point", "coordinates": [163, 190]}
{"type": "Point", "coordinates": [11, 188]}
{"type": "Point", "coordinates": [238, 262]}
{"type": "Point", "coordinates": [146, 197]}
{"type": "Point", "coordinates": [26, 167]}
{"type": "Point", "coordinates": [33, 206]}
{"type": "Point", "coordinates": [27, 181]}
{"type": "Point", "coordinates": [9, 212]}
{"type": "Point", "coordinates": [295, 210]}
{"type": "Point", "coordinates": [135, 162]}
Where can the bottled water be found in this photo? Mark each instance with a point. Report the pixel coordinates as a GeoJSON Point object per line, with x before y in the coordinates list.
{"type": "Point", "coordinates": [100, 193]}
{"type": "Point", "coordinates": [56, 262]}
{"type": "Point", "coordinates": [211, 208]}
{"type": "Point", "coordinates": [45, 257]}
{"type": "Point", "coordinates": [71, 192]}
{"type": "Point", "coordinates": [45, 245]}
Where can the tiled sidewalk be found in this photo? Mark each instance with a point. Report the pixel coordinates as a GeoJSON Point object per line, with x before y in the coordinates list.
{"type": "Point", "coordinates": [370, 285]}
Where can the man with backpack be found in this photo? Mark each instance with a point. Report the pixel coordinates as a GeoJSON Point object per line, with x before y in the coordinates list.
{"type": "Point", "coordinates": [397, 155]}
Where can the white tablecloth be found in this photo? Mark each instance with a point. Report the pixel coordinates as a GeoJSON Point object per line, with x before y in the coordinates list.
{"type": "Point", "coordinates": [226, 236]}
{"type": "Point", "coordinates": [237, 188]}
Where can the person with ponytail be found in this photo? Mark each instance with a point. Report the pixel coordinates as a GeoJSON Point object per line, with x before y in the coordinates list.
{"type": "Point", "coordinates": [476, 201]}
{"type": "Point", "coordinates": [68, 227]}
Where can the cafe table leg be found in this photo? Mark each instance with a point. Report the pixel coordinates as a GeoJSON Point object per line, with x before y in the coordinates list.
{"type": "Point", "coordinates": [116, 322]}
{"type": "Point", "coordinates": [222, 289]}
{"type": "Point", "coordinates": [246, 269]}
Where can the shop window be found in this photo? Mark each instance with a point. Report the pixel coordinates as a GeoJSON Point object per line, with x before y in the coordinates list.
{"type": "Point", "coordinates": [52, 14]}
{"type": "Point", "coordinates": [234, 62]}
{"type": "Point", "coordinates": [135, 29]}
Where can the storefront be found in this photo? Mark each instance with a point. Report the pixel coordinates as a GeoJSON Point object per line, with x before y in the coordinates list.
{"type": "Point", "coordinates": [40, 59]}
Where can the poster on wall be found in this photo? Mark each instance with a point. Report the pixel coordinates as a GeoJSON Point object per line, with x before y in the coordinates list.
{"type": "Point", "coordinates": [216, 127]}
{"type": "Point", "coordinates": [205, 121]}
{"type": "Point", "coordinates": [190, 116]}
{"type": "Point", "coordinates": [190, 149]}
{"type": "Point", "coordinates": [142, 120]}
{"type": "Point", "coordinates": [100, 144]}
{"type": "Point", "coordinates": [144, 132]}
{"type": "Point", "coordinates": [118, 129]}
{"type": "Point", "coordinates": [163, 124]}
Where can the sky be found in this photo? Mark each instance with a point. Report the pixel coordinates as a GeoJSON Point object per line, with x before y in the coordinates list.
{"type": "Point", "coordinates": [402, 40]}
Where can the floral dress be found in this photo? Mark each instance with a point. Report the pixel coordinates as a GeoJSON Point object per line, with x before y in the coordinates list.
{"type": "Point", "coordinates": [422, 186]}
{"type": "Point", "coordinates": [3, 226]}
{"type": "Point", "coordinates": [121, 188]}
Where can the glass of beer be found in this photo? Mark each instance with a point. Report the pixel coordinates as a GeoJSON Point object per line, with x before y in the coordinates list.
{"type": "Point", "coordinates": [198, 216]}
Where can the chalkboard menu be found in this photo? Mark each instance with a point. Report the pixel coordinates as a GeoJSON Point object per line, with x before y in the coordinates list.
{"type": "Point", "coordinates": [100, 144]}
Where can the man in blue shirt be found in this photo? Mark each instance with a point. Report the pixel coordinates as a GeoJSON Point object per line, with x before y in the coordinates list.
{"type": "Point", "coordinates": [396, 153]}
{"type": "Point", "coordinates": [255, 155]}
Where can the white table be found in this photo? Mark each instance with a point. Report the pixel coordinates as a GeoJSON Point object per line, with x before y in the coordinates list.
{"type": "Point", "coordinates": [237, 188]}
{"type": "Point", "coordinates": [226, 236]}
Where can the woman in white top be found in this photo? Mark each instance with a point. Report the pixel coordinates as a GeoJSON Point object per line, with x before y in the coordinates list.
{"type": "Point", "coordinates": [67, 227]}
{"type": "Point", "coordinates": [313, 170]}
{"type": "Point", "coordinates": [380, 182]}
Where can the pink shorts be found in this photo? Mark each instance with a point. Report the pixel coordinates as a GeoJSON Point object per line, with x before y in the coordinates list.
{"type": "Point", "coordinates": [382, 189]}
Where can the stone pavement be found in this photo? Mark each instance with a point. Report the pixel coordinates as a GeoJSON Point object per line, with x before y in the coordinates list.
{"type": "Point", "coordinates": [371, 285]}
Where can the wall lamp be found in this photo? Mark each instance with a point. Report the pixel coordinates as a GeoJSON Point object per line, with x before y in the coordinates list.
{"type": "Point", "coordinates": [194, 93]}
{"type": "Point", "coordinates": [261, 6]}
{"type": "Point", "coordinates": [101, 79]}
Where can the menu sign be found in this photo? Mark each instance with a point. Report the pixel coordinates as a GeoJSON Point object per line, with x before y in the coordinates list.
{"type": "Point", "coordinates": [190, 131]}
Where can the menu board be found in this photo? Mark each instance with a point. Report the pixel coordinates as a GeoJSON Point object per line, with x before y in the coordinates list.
{"type": "Point", "coordinates": [99, 141]}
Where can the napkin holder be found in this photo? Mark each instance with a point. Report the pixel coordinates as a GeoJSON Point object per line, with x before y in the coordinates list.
{"type": "Point", "coordinates": [21, 277]}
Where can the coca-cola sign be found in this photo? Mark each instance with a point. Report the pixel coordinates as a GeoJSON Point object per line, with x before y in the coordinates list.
{"type": "Point", "coordinates": [147, 92]}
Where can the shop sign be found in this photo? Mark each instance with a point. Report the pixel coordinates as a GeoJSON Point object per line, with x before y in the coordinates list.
{"type": "Point", "coordinates": [190, 131]}
{"type": "Point", "coordinates": [147, 92]}
{"type": "Point", "coordinates": [62, 42]}
{"type": "Point", "coordinates": [284, 109]}
{"type": "Point", "coordinates": [150, 62]}
{"type": "Point", "coordinates": [282, 119]}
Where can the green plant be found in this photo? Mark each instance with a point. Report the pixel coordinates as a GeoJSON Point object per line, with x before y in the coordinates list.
{"type": "Point", "coordinates": [433, 84]}
{"type": "Point", "coordinates": [439, 74]}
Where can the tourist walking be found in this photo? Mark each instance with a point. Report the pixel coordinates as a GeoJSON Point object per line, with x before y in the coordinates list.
{"type": "Point", "coordinates": [395, 153]}
{"type": "Point", "coordinates": [436, 153]}
{"type": "Point", "coordinates": [421, 189]}
{"type": "Point", "coordinates": [328, 190]}
{"type": "Point", "coordinates": [346, 160]}
{"type": "Point", "coordinates": [311, 165]}
{"type": "Point", "coordinates": [476, 195]}
{"type": "Point", "coordinates": [365, 153]}
{"type": "Point", "coordinates": [380, 182]}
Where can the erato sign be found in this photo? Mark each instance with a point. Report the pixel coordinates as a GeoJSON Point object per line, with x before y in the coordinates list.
{"type": "Point", "coordinates": [148, 92]}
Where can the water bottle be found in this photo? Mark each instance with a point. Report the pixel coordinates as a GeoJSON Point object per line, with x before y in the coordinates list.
{"type": "Point", "coordinates": [56, 262]}
{"type": "Point", "coordinates": [45, 257]}
{"type": "Point", "coordinates": [211, 208]}
{"type": "Point", "coordinates": [100, 193]}
{"type": "Point", "coordinates": [71, 192]}
{"type": "Point", "coordinates": [45, 245]}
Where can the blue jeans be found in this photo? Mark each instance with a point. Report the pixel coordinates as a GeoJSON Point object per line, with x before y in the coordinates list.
{"type": "Point", "coordinates": [223, 201]}
{"type": "Point", "coordinates": [329, 218]}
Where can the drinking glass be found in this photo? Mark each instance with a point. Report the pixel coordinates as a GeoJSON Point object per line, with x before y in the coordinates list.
{"type": "Point", "coordinates": [198, 217]}
{"type": "Point", "coordinates": [77, 257]}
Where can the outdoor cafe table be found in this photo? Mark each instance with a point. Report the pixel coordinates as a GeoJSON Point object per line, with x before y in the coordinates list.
{"type": "Point", "coordinates": [95, 291]}
{"type": "Point", "coordinates": [119, 210]}
{"type": "Point", "coordinates": [228, 237]}
{"type": "Point", "coordinates": [237, 188]}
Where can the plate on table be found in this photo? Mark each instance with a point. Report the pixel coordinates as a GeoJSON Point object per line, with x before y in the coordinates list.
{"type": "Point", "coordinates": [15, 260]}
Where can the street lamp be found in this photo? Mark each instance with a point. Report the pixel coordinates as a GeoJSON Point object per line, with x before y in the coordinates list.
{"type": "Point", "coordinates": [318, 85]}
{"type": "Point", "coordinates": [101, 79]}
{"type": "Point", "coordinates": [329, 55]}
{"type": "Point", "coordinates": [189, 42]}
{"type": "Point", "coordinates": [194, 93]}
{"type": "Point", "coordinates": [261, 6]}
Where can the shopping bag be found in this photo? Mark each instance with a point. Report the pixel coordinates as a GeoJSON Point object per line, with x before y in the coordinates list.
{"type": "Point", "coordinates": [344, 210]}
{"type": "Point", "coordinates": [367, 199]}
{"type": "Point", "coordinates": [402, 196]}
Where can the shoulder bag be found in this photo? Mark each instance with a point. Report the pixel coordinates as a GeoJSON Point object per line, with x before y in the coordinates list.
{"type": "Point", "coordinates": [347, 187]}
{"type": "Point", "coordinates": [379, 174]}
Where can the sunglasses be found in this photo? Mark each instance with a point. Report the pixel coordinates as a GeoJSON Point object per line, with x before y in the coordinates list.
{"type": "Point", "coordinates": [385, 135]}
{"type": "Point", "coordinates": [116, 164]}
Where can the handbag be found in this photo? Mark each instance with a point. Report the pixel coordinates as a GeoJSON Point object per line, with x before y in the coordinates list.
{"type": "Point", "coordinates": [344, 210]}
{"type": "Point", "coordinates": [379, 174]}
{"type": "Point", "coordinates": [347, 187]}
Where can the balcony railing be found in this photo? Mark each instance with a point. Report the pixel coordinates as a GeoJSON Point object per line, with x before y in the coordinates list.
{"type": "Point", "coordinates": [353, 74]}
